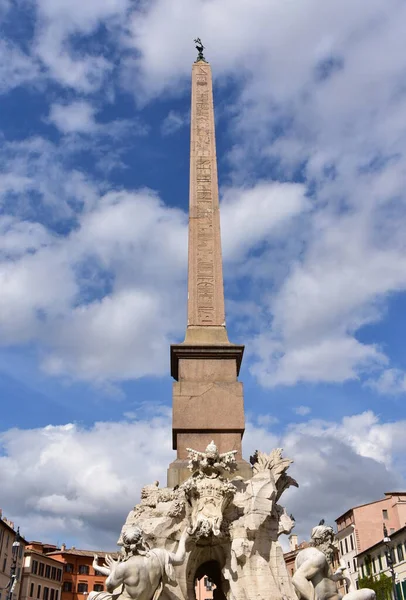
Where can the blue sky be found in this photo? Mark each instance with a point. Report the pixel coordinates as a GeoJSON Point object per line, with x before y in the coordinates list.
{"type": "Point", "coordinates": [310, 108]}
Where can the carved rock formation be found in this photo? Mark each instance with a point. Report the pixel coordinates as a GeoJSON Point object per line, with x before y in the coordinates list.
{"type": "Point", "coordinates": [233, 523]}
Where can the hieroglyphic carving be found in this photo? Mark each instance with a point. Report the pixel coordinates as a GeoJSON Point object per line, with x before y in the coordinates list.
{"type": "Point", "coordinates": [203, 185]}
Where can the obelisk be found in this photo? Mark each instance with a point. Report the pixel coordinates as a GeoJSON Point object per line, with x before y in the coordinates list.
{"type": "Point", "coordinates": [207, 398]}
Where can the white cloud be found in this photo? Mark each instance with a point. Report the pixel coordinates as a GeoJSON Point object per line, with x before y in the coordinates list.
{"type": "Point", "coordinates": [302, 410]}
{"type": "Point", "coordinates": [57, 23]}
{"type": "Point", "coordinates": [79, 116]}
{"type": "Point", "coordinates": [68, 481]}
{"type": "Point", "coordinates": [79, 483]}
{"type": "Point", "coordinates": [249, 216]}
{"type": "Point", "coordinates": [390, 381]}
{"type": "Point", "coordinates": [16, 67]}
{"type": "Point", "coordinates": [109, 291]}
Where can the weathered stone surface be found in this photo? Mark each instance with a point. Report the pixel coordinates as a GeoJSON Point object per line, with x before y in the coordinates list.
{"type": "Point", "coordinates": [232, 522]}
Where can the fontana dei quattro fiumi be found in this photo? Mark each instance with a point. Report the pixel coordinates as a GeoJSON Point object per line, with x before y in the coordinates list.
{"type": "Point", "coordinates": [220, 516]}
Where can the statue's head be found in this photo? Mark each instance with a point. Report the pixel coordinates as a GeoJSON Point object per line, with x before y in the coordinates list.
{"type": "Point", "coordinates": [132, 539]}
{"type": "Point", "coordinates": [321, 534]}
{"type": "Point", "coordinates": [322, 538]}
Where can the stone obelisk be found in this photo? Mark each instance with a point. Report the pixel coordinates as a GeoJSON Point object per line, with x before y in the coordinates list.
{"type": "Point", "coordinates": [207, 398]}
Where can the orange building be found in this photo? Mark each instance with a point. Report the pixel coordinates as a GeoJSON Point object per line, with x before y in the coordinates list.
{"type": "Point", "coordinates": [78, 577]}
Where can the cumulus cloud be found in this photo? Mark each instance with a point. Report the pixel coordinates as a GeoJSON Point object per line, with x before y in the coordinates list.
{"type": "Point", "coordinates": [390, 381]}
{"type": "Point", "coordinates": [16, 67]}
{"type": "Point", "coordinates": [79, 483]}
{"type": "Point", "coordinates": [250, 216]}
{"type": "Point", "coordinates": [78, 116]}
{"type": "Point", "coordinates": [92, 306]}
{"type": "Point", "coordinates": [73, 482]}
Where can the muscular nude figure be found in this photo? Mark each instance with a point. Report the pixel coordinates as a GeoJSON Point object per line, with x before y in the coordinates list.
{"type": "Point", "coordinates": [313, 578]}
{"type": "Point", "coordinates": [142, 572]}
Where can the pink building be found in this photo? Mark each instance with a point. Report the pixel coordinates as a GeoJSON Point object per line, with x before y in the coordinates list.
{"type": "Point", "coordinates": [362, 526]}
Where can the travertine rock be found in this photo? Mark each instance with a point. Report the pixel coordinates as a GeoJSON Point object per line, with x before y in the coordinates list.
{"type": "Point", "coordinates": [233, 524]}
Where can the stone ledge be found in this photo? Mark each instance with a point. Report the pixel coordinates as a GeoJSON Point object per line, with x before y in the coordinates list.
{"type": "Point", "coordinates": [220, 352]}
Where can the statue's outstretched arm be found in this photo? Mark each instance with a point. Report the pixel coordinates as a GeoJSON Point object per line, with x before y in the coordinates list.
{"type": "Point", "coordinates": [179, 556]}
{"type": "Point", "coordinates": [100, 569]}
{"type": "Point", "coordinates": [116, 576]}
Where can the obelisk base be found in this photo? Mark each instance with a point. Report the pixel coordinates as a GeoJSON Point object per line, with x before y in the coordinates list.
{"type": "Point", "coordinates": [178, 472]}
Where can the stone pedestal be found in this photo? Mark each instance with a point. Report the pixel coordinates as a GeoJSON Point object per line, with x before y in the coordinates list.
{"type": "Point", "coordinates": [208, 403]}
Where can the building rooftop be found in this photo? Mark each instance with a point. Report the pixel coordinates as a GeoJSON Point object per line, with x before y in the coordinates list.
{"type": "Point", "coordinates": [372, 502]}
{"type": "Point", "coordinates": [77, 552]}
{"type": "Point", "coordinates": [38, 553]}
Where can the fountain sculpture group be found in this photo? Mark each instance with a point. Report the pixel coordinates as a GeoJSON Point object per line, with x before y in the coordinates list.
{"type": "Point", "coordinates": [225, 527]}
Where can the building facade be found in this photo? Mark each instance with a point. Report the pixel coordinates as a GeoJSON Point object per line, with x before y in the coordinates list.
{"type": "Point", "coordinates": [42, 576]}
{"type": "Point", "coordinates": [373, 561]}
{"type": "Point", "coordinates": [11, 553]}
{"type": "Point", "coordinates": [78, 575]}
{"type": "Point", "coordinates": [361, 527]}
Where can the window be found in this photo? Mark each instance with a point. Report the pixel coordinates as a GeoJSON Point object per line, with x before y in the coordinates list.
{"type": "Point", "coordinates": [98, 587]}
{"type": "Point", "coordinates": [4, 565]}
{"type": "Point", "coordinates": [82, 588]}
{"type": "Point", "coordinates": [34, 568]}
{"type": "Point", "coordinates": [346, 545]}
{"type": "Point", "coordinates": [69, 568]}
{"type": "Point", "coordinates": [58, 574]}
{"type": "Point", "coordinates": [352, 542]}
{"type": "Point", "coordinates": [354, 562]}
{"type": "Point", "coordinates": [31, 590]}
{"type": "Point", "coordinates": [362, 570]}
{"type": "Point", "coordinates": [52, 595]}
{"type": "Point", "coordinates": [39, 592]}
{"type": "Point", "coordinates": [373, 566]}
{"type": "Point", "coordinates": [67, 586]}
{"type": "Point", "coordinates": [380, 562]}
{"type": "Point", "coordinates": [46, 593]}
{"type": "Point", "coordinates": [41, 569]}
{"type": "Point", "coordinates": [47, 571]}
{"type": "Point", "coordinates": [385, 514]}
{"type": "Point", "coordinates": [400, 553]}
{"type": "Point", "coordinates": [53, 573]}
{"type": "Point", "coordinates": [341, 547]}
{"type": "Point", "coordinates": [56, 594]}
{"type": "Point", "coordinates": [83, 570]}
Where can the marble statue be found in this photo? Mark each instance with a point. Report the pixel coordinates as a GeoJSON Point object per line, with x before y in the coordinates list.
{"type": "Point", "coordinates": [140, 572]}
{"type": "Point", "coordinates": [207, 492]}
{"type": "Point", "coordinates": [314, 579]}
{"type": "Point", "coordinates": [233, 526]}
